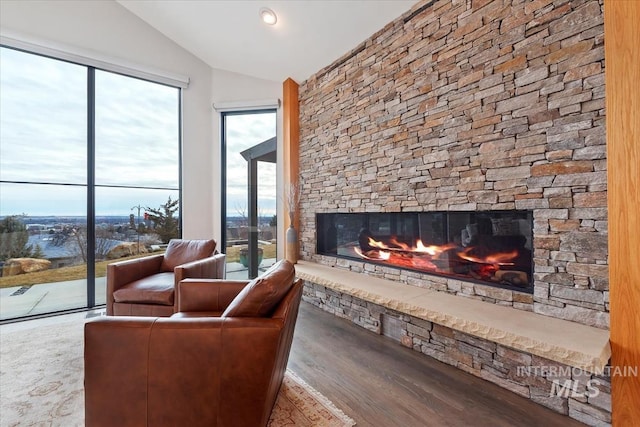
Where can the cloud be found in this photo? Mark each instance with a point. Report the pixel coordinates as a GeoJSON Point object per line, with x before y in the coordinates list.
{"type": "Point", "coordinates": [244, 131]}
{"type": "Point", "coordinates": [42, 119]}
{"type": "Point", "coordinates": [43, 134]}
{"type": "Point", "coordinates": [137, 130]}
{"type": "Point", "coordinates": [43, 138]}
{"type": "Point", "coordinates": [43, 200]}
{"type": "Point", "coordinates": [71, 200]}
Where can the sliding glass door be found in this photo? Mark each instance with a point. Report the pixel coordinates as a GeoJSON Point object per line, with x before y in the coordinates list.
{"type": "Point", "coordinates": [249, 183]}
{"type": "Point", "coordinates": [89, 174]}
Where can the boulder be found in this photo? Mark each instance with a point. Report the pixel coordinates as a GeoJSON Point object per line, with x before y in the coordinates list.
{"type": "Point", "coordinates": [15, 266]}
{"type": "Point", "coordinates": [126, 249]}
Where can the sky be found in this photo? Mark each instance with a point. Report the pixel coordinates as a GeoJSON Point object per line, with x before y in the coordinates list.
{"type": "Point", "coordinates": [43, 120]}
{"type": "Point", "coordinates": [244, 131]}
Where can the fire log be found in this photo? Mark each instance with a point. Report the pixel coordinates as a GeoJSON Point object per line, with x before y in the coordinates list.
{"type": "Point", "coordinates": [513, 277]}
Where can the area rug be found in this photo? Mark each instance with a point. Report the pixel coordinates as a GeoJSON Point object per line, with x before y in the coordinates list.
{"type": "Point", "coordinates": [42, 374]}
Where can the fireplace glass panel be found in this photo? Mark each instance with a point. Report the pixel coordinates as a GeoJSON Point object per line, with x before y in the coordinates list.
{"type": "Point", "coordinates": [490, 247]}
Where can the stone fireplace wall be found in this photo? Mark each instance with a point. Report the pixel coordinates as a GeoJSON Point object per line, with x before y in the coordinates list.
{"type": "Point", "coordinates": [472, 105]}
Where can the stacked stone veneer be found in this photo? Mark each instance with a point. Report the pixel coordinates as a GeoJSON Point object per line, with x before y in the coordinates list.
{"type": "Point", "coordinates": [570, 391]}
{"type": "Point", "coordinates": [472, 105]}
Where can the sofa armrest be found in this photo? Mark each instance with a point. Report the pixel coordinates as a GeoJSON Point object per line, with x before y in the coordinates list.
{"type": "Point", "coordinates": [207, 294]}
{"type": "Point", "coordinates": [207, 268]}
{"type": "Point", "coordinates": [168, 371]}
{"type": "Point", "coordinates": [115, 358]}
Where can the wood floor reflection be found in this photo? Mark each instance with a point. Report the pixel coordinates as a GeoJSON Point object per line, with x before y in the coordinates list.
{"type": "Point", "coordinates": [379, 383]}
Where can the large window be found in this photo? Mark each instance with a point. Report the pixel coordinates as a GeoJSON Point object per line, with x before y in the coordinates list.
{"type": "Point", "coordinates": [89, 173]}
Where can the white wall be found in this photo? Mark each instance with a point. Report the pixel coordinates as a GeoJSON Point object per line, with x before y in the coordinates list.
{"type": "Point", "coordinates": [106, 29]}
{"type": "Point", "coordinates": [244, 92]}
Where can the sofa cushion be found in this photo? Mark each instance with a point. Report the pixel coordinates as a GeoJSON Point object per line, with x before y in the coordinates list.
{"type": "Point", "coordinates": [154, 289]}
{"type": "Point", "coordinates": [183, 251]}
{"type": "Point", "coordinates": [262, 295]}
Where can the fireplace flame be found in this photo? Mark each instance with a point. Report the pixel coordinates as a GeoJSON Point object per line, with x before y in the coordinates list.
{"type": "Point", "coordinates": [374, 255]}
{"type": "Point", "coordinates": [381, 251]}
{"type": "Point", "coordinates": [432, 250]}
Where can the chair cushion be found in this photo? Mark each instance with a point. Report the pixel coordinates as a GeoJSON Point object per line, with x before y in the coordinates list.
{"type": "Point", "coordinates": [183, 251]}
{"type": "Point", "coordinates": [262, 295]}
{"type": "Point", "coordinates": [155, 289]}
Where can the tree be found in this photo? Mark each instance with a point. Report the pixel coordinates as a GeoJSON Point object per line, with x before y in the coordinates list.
{"type": "Point", "coordinates": [165, 225]}
{"type": "Point", "coordinates": [14, 238]}
{"type": "Point", "coordinates": [78, 244]}
{"type": "Point", "coordinates": [241, 210]}
{"type": "Point", "coordinates": [37, 252]}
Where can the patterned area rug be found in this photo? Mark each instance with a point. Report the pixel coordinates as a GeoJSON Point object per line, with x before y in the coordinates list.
{"type": "Point", "coordinates": [41, 384]}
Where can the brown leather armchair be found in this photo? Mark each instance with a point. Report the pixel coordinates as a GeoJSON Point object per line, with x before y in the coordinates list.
{"type": "Point", "coordinates": [146, 286]}
{"type": "Point", "coordinates": [218, 362]}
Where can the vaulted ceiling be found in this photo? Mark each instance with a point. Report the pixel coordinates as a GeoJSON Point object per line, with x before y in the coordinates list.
{"type": "Point", "coordinates": [229, 34]}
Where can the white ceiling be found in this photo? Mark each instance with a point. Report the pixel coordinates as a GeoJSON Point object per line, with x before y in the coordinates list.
{"type": "Point", "coordinates": [229, 35]}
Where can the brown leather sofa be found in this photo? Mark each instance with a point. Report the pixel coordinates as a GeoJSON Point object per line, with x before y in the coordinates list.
{"type": "Point", "coordinates": [218, 362]}
{"type": "Point", "coordinates": [146, 286]}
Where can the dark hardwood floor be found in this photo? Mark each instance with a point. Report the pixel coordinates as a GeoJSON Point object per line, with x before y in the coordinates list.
{"type": "Point", "coordinates": [377, 382]}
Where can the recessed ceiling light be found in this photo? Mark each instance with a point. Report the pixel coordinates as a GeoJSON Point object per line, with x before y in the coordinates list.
{"type": "Point", "coordinates": [268, 16]}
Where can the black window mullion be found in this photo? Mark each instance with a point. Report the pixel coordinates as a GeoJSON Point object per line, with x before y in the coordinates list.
{"type": "Point", "coordinates": [223, 181]}
{"type": "Point", "coordinates": [91, 191]}
{"type": "Point", "coordinates": [180, 216]}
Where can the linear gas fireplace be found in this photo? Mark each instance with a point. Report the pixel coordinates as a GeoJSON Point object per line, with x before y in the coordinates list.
{"type": "Point", "coordinates": [489, 247]}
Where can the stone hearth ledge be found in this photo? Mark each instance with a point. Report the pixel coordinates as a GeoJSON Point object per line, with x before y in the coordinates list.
{"type": "Point", "coordinates": [566, 342]}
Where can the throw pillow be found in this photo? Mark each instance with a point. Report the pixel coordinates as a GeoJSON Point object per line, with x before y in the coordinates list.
{"type": "Point", "coordinates": [262, 295]}
{"type": "Point", "coordinates": [183, 251]}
